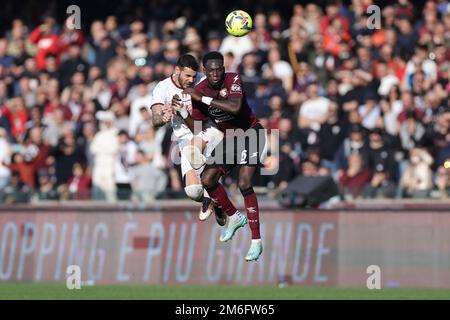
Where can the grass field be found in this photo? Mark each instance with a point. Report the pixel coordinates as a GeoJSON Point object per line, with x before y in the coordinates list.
{"type": "Point", "coordinates": [197, 292]}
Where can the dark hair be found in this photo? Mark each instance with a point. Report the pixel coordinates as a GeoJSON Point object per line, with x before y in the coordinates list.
{"type": "Point", "coordinates": [188, 61]}
{"type": "Point", "coordinates": [213, 55]}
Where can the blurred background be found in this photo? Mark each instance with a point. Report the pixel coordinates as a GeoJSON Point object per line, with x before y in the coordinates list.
{"type": "Point", "coordinates": [368, 108]}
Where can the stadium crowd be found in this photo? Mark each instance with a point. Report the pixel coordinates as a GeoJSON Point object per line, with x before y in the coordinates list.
{"type": "Point", "coordinates": [368, 106]}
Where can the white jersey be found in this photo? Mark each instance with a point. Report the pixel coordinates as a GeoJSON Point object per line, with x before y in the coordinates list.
{"type": "Point", "coordinates": [163, 93]}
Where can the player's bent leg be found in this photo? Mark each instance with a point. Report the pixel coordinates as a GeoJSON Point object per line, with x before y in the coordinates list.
{"type": "Point", "coordinates": [221, 217]}
{"type": "Point", "coordinates": [210, 180]}
{"type": "Point", "coordinates": [207, 208]}
{"type": "Point", "coordinates": [194, 192]}
{"type": "Point", "coordinates": [194, 155]}
{"type": "Point", "coordinates": [194, 152]}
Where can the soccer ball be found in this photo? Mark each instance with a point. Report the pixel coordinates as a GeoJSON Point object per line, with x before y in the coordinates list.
{"type": "Point", "coordinates": [238, 23]}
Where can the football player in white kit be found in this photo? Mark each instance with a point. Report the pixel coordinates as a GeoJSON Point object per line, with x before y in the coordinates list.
{"type": "Point", "coordinates": [185, 76]}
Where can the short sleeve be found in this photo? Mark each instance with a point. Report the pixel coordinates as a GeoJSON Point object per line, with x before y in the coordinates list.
{"type": "Point", "coordinates": [158, 95]}
{"type": "Point", "coordinates": [235, 87]}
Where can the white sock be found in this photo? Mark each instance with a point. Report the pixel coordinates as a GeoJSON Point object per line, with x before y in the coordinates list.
{"type": "Point", "coordinates": [236, 216]}
{"type": "Point", "coordinates": [256, 241]}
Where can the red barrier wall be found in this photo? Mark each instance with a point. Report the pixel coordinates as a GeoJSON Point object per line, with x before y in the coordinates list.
{"type": "Point", "coordinates": [327, 248]}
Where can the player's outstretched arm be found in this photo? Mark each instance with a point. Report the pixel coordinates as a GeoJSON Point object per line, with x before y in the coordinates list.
{"type": "Point", "coordinates": [231, 105]}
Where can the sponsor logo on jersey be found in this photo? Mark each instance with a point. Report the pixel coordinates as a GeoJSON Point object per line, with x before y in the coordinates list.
{"type": "Point", "coordinates": [236, 88]}
{"type": "Point", "coordinates": [219, 115]}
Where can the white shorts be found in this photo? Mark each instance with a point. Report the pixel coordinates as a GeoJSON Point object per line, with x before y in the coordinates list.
{"type": "Point", "coordinates": [211, 135]}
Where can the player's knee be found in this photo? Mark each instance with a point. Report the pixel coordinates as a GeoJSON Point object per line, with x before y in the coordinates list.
{"type": "Point", "coordinates": [244, 184]}
{"type": "Point", "coordinates": [209, 180]}
{"type": "Point", "coordinates": [194, 192]}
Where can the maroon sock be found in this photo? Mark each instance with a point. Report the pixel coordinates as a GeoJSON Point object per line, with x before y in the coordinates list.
{"type": "Point", "coordinates": [220, 197]}
{"type": "Point", "coordinates": [251, 206]}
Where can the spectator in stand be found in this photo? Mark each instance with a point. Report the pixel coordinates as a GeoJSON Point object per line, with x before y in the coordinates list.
{"type": "Point", "coordinates": [66, 154]}
{"type": "Point", "coordinates": [104, 148]}
{"type": "Point", "coordinates": [102, 47]}
{"type": "Point", "coordinates": [381, 185]}
{"type": "Point", "coordinates": [442, 181]}
{"type": "Point", "coordinates": [379, 152]}
{"type": "Point", "coordinates": [47, 42]}
{"type": "Point", "coordinates": [26, 170]}
{"type": "Point", "coordinates": [79, 186]}
{"type": "Point", "coordinates": [5, 60]}
{"type": "Point", "coordinates": [5, 151]}
{"type": "Point", "coordinates": [332, 13]}
{"type": "Point", "coordinates": [355, 143]}
{"type": "Point", "coordinates": [250, 74]}
{"type": "Point", "coordinates": [314, 111]}
{"type": "Point", "coordinates": [411, 132]}
{"type": "Point", "coordinates": [141, 173]}
{"type": "Point", "coordinates": [73, 63]}
{"type": "Point", "coordinates": [18, 45]}
{"type": "Point", "coordinates": [46, 186]}
{"type": "Point", "coordinates": [16, 114]}
{"type": "Point", "coordinates": [288, 160]}
{"type": "Point", "coordinates": [16, 191]}
{"type": "Point", "coordinates": [416, 181]}
{"type": "Point", "coordinates": [139, 113]}
{"type": "Point", "coordinates": [370, 111]}
{"type": "Point", "coordinates": [281, 69]}
{"type": "Point", "coordinates": [125, 158]}
{"type": "Point", "coordinates": [331, 135]}
{"type": "Point", "coordinates": [355, 178]}
{"type": "Point", "coordinates": [328, 83]}
{"type": "Point", "coordinates": [239, 46]}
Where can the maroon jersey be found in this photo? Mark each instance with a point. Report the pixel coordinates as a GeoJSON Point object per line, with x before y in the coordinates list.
{"type": "Point", "coordinates": [231, 87]}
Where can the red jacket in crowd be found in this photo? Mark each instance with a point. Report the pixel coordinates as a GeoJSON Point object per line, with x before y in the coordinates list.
{"type": "Point", "coordinates": [46, 44]}
{"type": "Point", "coordinates": [17, 120]}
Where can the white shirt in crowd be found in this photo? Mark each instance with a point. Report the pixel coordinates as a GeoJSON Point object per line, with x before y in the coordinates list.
{"type": "Point", "coordinates": [135, 115]}
{"type": "Point", "coordinates": [238, 46]}
{"type": "Point", "coordinates": [317, 107]}
{"type": "Point", "coordinates": [369, 119]}
{"type": "Point", "coordinates": [125, 158]}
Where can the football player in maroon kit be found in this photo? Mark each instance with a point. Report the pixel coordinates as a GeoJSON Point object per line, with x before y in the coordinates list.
{"type": "Point", "coordinates": [220, 97]}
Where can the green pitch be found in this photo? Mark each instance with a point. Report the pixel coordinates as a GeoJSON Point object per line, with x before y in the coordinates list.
{"type": "Point", "coordinates": [196, 292]}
